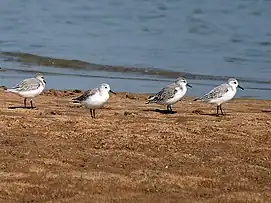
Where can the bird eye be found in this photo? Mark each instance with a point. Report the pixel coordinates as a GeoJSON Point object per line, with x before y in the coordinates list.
{"type": "Point", "coordinates": [234, 82]}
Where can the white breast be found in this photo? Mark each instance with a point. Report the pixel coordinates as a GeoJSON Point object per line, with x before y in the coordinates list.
{"type": "Point", "coordinates": [96, 101]}
{"type": "Point", "coordinates": [226, 97]}
{"type": "Point", "coordinates": [178, 95]}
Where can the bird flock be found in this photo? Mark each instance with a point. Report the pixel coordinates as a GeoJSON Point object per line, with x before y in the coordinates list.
{"type": "Point", "coordinates": [97, 97]}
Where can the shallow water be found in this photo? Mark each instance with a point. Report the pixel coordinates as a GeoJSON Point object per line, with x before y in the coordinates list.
{"type": "Point", "coordinates": [146, 43]}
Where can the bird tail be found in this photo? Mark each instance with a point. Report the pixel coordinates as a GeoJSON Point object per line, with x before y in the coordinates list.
{"type": "Point", "coordinates": [75, 100]}
{"type": "Point", "coordinates": [11, 90]}
{"type": "Point", "coordinates": [197, 99]}
{"type": "Point", "coordinates": [151, 99]}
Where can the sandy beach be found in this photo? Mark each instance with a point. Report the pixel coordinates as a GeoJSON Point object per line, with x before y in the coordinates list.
{"type": "Point", "coordinates": [132, 152]}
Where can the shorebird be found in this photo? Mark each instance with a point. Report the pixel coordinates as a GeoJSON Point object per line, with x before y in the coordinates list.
{"type": "Point", "coordinates": [29, 88]}
{"type": "Point", "coordinates": [170, 94]}
{"type": "Point", "coordinates": [221, 94]}
{"type": "Point", "coordinates": [94, 98]}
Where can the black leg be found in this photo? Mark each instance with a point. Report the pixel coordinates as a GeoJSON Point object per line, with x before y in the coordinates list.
{"type": "Point", "coordinates": [169, 108]}
{"type": "Point", "coordinates": [31, 102]}
{"type": "Point", "coordinates": [94, 113]}
{"type": "Point", "coordinates": [24, 102]}
{"type": "Point", "coordinates": [90, 110]}
{"type": "Point", "coordinates": [217, 110]}
{"type": "Point", "coordinates": [221, 110]}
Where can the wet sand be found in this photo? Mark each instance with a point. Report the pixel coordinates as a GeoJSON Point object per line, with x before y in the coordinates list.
{"type": "Point", "coordinates": [133, 153]}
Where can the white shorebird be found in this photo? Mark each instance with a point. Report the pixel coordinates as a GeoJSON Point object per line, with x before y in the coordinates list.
{"type": "Point", "coordinates": [29, 88]}
{"type": "Point", "coordinates": [221, 94]}
{"type": "Point", "coordinates": [94, 98]}
{"type": "Point", "coordinates": [170, 94]}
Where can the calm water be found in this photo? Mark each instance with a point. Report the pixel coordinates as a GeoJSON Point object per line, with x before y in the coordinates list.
{"type": "Point", "coordinates": [215, 38]}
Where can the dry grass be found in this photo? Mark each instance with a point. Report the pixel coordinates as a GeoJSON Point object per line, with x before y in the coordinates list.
{"type": "Point", "coordinates": [130, 153]}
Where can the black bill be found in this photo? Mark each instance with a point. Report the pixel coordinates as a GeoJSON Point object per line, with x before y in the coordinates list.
{"type": "Point", "coordinates": [112, 92]}
{"type": "Point", "coordinates": [240, 87]}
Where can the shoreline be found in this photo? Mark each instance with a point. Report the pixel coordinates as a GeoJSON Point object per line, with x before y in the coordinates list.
{"type": "Point", "coordinates": [78, 64]}
{"type": "Point", "coordinates": [134, 79]}
{"type": "Point", "coordinates": [133, 153]}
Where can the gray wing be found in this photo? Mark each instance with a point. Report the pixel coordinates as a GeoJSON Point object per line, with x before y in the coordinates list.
{"type": "Point", "coordinates": [86, 95]}
{"type": "Point", "coordinates": [216, 93]}
{"type": "Point", "coordinates": [164, 95]}
{"type": "Point", "coordinates": [28, 85]}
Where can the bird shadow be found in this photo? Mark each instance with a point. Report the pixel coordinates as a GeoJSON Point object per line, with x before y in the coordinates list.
{"type": "Point", "coordinates": [20, 107]}
{"type": "Point", "coordinates": [199, 112]}
{"type": "Point", "coordinates": [211, 114]}
{"type": "Point", "coordinates": [162, 111]}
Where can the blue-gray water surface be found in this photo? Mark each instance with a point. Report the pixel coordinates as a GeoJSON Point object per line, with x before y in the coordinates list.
{"type": "Point", "coordinates": [215, 38]}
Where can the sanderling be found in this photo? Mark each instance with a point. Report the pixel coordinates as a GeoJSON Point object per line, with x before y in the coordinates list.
{"type": "Point", "coordinates": [29, 88]}
{"type": "Point", "coordinates": [94, 98]}
{"type": "Point", "coordinates": [221, 94]}
{"type": "Point", "coordinates": [170, 94]}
